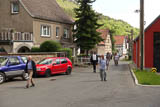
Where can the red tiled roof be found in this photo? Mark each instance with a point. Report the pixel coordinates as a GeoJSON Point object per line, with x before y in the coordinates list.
{"type": "Point", "coordinates": [46, 10]}
{"type": "Point", "coordinates": [119, 40]}
{"type": "Point", "coordinates": [104, 33]}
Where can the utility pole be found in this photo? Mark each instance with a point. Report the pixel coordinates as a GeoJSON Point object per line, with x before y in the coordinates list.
{"type": "Point", "coordinates": [141, 31]}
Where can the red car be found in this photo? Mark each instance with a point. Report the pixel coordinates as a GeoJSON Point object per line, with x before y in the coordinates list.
{"type": "Point", "coordinates": [54, 65]}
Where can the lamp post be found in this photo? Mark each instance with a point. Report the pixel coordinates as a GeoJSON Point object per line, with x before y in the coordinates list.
{"type": "Point", "coordinates": [141, 32]}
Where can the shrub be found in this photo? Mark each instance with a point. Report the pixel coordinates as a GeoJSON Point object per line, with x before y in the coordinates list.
{"type": "Point", "coordinates": [68, 51]}
{"type": "Point", "coordinates": [35, 49]}
{"type": "Point", "coordinates": [50, 46]}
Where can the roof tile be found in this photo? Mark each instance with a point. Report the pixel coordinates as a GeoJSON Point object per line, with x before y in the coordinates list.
{"type": "Point", "coordinates": [47, 10]}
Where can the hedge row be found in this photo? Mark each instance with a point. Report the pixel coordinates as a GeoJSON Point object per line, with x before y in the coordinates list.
{"type": "Point", "coordinates": [52, 46]}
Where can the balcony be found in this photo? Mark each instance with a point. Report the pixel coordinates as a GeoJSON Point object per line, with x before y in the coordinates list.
{"type": "Point", "coordinates": [7, 37]}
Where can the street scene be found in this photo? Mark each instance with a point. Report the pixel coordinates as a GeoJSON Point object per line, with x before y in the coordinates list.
{"type": "Point", "coordinates": [81, 88]}
{"type": "Point", "coordinates": [79, 53]}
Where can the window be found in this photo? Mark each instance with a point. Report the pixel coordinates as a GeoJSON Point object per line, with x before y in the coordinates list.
{"type": "Point", "coordinates": [57, 61]}
{"type": "Point", "coordinates": [57, 31]}
{"type": "Point", "coordinates": [24, 59]}
{"type": "Point", "coordinates": [14, 7]}
{"type": "Point", "coordinates": [14, 61]}
{"type": "Point", "coordinates": [66, 33]}
{"type": "Point", "coordinates": [45, 31]}
{"type": "Point", "coordinates": [63, 61]}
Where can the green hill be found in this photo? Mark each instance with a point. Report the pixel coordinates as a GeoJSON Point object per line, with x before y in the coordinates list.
{"type": "Point", "coordinates": [119, 27]}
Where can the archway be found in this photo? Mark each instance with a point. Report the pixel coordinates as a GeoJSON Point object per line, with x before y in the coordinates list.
{"type": "Point", "coordinates": [2, 50]}
{"type": "Point", "coordinates": [23, 49]}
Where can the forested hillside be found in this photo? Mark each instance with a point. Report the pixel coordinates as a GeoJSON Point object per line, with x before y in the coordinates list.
{"type": "Point", "coordinates": [119, 27]}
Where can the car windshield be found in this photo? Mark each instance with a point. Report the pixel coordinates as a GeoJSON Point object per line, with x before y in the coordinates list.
{"type": "Point", "coordinates": [3, 61]}
{"type": "Point", "coordinates": [46, 61]}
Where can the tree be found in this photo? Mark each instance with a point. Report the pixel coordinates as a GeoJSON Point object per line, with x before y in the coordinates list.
{"type": "Point", "coordinates": [112, 33]}
{"type": "Point", "coordinates": [85, 34]}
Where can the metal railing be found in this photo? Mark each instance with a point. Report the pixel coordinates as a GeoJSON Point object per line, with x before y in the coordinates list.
{"type": "Point", "coordinates": [82, 60]}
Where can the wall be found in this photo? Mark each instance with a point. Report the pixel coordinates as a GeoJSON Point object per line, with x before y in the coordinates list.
{"type": "Point", "coordinates": [8, 48]}
{"type": "Point", "coordinates": [37, 56]}
{"type": "Point", "coordinates": [108, 45]}
{"type": "Point", "coordinates": [18, 45]}
{"type": "Point", "coordinates": [149, 37]}
{"type": "Point", "coordinates": [138, 53]}
{"type": "Point", "coordinates": [134, 52]}
{"type": "Point", "coordinates": [21, 22]}
{"type": "Point", "coordinates": [37, 28]}
{"type": "Point", "coordinates": [101, 50]}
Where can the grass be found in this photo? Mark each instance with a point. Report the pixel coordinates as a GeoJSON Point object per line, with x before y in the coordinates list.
{"type": "Point", "coordinates": [125, 59]}
{"type": "Point", "coordinates": [147, 78]}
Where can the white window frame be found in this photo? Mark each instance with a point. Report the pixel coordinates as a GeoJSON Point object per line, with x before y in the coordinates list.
{"type": "Point", "coordinates": [12, 7]}
{"type": "Point", "coordinates": [66, 36]}
{"type": "Point", "coordinates": [45, 31]}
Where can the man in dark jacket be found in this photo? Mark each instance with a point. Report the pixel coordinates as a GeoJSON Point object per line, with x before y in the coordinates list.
{"type": "Point", "coordinates": [30, 69]}
{"type": "Point", "coordinates": [94, 61]}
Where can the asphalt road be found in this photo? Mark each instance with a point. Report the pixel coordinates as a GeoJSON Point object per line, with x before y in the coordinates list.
{"type": "Point", "coordinates": [81, 89]}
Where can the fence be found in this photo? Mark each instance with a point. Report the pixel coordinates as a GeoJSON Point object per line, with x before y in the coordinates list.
{"type": "Point", "coordinates": [82, 60]}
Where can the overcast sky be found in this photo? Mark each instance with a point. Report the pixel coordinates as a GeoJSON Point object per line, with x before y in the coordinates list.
{"type": "Point", "coordinates": [124, 9]}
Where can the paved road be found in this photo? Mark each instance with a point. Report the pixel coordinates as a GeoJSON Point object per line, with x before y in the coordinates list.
{"type": "Point", "coordinates": [82, 89]}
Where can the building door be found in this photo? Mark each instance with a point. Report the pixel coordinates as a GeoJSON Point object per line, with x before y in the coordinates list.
{"type": "Point", "coordinates": [156, 55]}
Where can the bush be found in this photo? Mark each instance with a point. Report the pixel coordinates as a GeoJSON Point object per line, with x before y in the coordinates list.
{"type": "Point", "coordinates": [68, 51]}
{"type": "Point", "coordinates": [50, 46]}
{"type": "Point", "coordinates": [35, 49]}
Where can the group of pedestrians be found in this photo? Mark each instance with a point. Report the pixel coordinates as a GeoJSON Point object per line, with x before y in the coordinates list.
{"type": "Point", "coordinates": [103, 62]}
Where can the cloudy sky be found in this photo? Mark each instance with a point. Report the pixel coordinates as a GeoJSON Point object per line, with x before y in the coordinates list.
{"type": "Point", "coordinates": [124, 9]}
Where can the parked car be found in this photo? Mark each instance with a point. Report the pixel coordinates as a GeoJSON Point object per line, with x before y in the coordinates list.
{"type": "Point", "coordinates": [54, 65]}
{"type": "Point", "coordinates": [12, 66]}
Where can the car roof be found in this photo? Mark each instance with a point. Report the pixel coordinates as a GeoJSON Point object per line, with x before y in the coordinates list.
{"type": "Point", "coordinates": [54, 57]}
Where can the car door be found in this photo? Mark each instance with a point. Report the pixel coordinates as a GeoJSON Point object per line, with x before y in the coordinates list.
{"type": "Point", "coordinates": [56, 68]}
{"type": "Point", "coordinates": [15, 67]}
{"type": "Point", "coordinates": [64, 64]}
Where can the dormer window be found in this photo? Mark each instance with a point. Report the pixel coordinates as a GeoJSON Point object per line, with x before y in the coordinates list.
{"type": "Point", "coordinates": [14, 7]}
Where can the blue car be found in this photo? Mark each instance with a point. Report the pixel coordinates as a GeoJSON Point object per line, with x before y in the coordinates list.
{"type": "Point", "coordinates": [12, 66]}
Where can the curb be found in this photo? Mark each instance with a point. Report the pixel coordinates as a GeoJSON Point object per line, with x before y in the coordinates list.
{"type": "Point", "coordinates": [136, 80]}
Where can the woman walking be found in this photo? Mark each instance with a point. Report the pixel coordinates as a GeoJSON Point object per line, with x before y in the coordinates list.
{"type": "Point", "coordinates": [116, 59]}
{"type": "Point", "coordinates": [102, 67]}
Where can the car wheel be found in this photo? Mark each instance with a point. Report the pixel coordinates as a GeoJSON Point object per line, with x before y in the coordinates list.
{"type": "Point", "coordinates": [48, 73]}
{"type": "Point", "coordinates": [2, 77]}
{"type": "Point", "coordinates": [25, 76]}
{"type": "Point", "coordinates": [68, 71]}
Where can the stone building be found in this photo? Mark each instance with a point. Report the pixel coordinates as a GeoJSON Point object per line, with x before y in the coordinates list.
{"type": "Point", "coordinates": [28, 23]}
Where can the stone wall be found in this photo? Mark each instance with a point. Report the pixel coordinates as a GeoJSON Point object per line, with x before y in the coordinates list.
{"type": "Point", "coordinates": [38, 56]}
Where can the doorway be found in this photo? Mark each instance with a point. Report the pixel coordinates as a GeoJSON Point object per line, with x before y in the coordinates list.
{"type": "Point", "coordinates": [24, 49]}
{"type": "Point", "coordinates": [156, 54]}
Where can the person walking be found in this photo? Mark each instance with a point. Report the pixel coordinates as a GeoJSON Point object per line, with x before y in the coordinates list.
{"type": "Point", "coordinates": [94, 61]}
{"type": "Point", "coordinates": [108, 58]}
{"type": "Point", "coordinates": [116, 59]}
{"type": "Point", "coordinates": [102, 67]}
{"type": "Point", "coordinates": [30, 69]}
